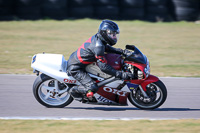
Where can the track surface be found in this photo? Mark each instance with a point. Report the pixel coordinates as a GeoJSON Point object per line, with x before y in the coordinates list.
{"type": "Point", "coordinates": [17, 100]}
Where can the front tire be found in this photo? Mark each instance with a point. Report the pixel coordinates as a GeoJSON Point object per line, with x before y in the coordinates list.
{"type": "Point", "coordinates": [157, 93]}
{"type": "Point", "coordinates": [46, 91]}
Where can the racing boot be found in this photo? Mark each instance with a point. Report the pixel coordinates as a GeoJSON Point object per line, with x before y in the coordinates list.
{"type": "Point", "coordinates": [84, 91]}
{"type": "Point", "coordinates": [88, 89]}
{"type": "Point", "coordinates": [77, 92]}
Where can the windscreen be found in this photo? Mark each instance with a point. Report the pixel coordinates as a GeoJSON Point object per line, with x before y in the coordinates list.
{"type": "Point", "coordinates": [137, 55]}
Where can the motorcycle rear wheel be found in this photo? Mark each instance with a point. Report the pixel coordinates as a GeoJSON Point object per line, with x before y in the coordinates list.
{"type": "Point", "coordinates": [46, 94]}
{"type": "Point", "coordinates": [158, 96]}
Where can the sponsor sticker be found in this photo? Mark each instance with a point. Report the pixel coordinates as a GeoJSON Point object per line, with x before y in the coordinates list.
{"type": "Point", "coordinates": [132, 86]}
{"type": "Point", "coordinates": [69, 81]}
{"type": "Point", "coordinates": [115, 91]}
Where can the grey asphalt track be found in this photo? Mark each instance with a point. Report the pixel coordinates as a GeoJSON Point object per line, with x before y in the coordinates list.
{"type": "Point", "coordinates": [17, 101]}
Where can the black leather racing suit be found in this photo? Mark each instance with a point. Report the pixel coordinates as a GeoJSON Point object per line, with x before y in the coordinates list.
{"type": "Point", "coordinates": [91, 51]}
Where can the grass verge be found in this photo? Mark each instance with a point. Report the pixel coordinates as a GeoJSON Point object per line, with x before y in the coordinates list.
{"type": "Point", "coordinates": [100, 126]}
{"type": "Point", "coordinates": [172, 48]}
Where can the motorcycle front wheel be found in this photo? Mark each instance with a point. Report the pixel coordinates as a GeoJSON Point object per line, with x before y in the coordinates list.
{"type": "Point", "coordinates": [50, 92]}
{"type": "Point", "coordinates": [156, 92]}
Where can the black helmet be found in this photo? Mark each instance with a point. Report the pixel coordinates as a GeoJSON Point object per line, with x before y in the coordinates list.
{"type": "Point", "coordinates": [109, 32]}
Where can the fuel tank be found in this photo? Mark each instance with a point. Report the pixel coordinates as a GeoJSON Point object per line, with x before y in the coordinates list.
{"type": "Point", "coordinates": [113, 60]}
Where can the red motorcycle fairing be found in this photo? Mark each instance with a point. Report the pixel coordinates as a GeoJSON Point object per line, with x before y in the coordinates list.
{"type": "Point", "coordinates": [112, 94]}
{"type": "Point", "coordinates": [138, 65]}
{"type": "Point", "coordinates": [145, 82]}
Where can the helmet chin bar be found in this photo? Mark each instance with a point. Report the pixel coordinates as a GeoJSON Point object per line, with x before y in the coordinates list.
{"type": "Point", "coordinates": [114, 37]}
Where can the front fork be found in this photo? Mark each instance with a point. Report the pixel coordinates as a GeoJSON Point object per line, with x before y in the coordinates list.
{"type": "Point", "coordinates": [142, 85]}
{"type": "Point", "coordinates": [149, 80]}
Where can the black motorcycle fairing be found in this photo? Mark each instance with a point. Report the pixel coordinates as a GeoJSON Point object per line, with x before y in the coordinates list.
{"type": "Point", "coordinates": [136, 56]}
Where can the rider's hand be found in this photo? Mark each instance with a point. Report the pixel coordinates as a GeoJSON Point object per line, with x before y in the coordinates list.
{"type": "Point", "coordinates": [126, 53]}
{"type": "Point", "coordinates": [124, 75]}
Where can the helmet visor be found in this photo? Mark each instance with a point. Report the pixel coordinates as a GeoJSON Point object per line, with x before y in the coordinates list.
{"type": "Point", "coordinates": [113, 35]}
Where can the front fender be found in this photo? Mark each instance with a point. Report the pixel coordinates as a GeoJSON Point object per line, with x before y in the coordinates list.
{"type": "Point", "coordinates": [149, 80]}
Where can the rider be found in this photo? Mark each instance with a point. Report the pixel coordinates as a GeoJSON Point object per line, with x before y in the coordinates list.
{"type": "Point", "coordinates": [93, 51]}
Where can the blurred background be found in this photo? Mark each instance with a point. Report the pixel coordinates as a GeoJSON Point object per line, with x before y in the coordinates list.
{"type": "Point", "coordinates": [166, 31]}
{"type": "Point", "coordinates": [147, 10]}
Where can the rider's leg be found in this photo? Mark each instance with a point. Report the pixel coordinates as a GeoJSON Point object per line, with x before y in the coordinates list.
{"type": "Point", "coordinates": [82, 76]}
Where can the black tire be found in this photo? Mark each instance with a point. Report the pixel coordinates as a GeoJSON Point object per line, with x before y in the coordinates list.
{"type": "Point", "coordinates": [132, 3]}
{"type": "Point", "coordinates": [81, 12]}
{"type": "Point", "coordinates": [36, 86]}
{"type": "Point", "coordinates": [188, 14]}
{"type": "Point", "coordinates": [140, 104]}
{"type": "Point", "coordinates": [6, 10]}
{"type": "Point", "coordinates": [54, 12]}
{"type": "Point", "coordinates": [56, 9]}
{"type": "Point", "coordinates": [132, 13]}
{"type": "Point", "coordinates": [106, 12]}
{"type": "Point", "coordinates": [55, 3]}
{"type": "Point", "coordinates": [105, 2]}
{"type": "Point", "coordinates": [186, 3]}
{"type": "Point", "coordinates": [6, 13]}
{"type": "Point", "coordinates": [28, 9]}
{"type": "Point", "coordinates": [157, 10]}
{"type": "Point", "coordinates": [7, 18]}
{"type": "Point", "coordinates": [80, 3]}
{"type": "Point", "coordinates": [156, 2]}
{"type": "Point", "coordinates": [198, 16]}
{"type": "Point", "coordinates": [4, 3]}
{"type": "Point", "coordinates": [30, 13]}
{"type": "Point", "coordinates": [157, 13]}
{"type": "Point", "coordinates": [157, 18]}
{"type": "Point", "coordinates": [23, 3]}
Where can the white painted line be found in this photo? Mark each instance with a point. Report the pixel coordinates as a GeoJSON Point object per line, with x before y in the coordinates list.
{"type": "Point", "coordinates": [18, 74]}
{"type": "Point", "coordinates": [92, 118]}
{"type": "Point", "coordinates": [180, 77]}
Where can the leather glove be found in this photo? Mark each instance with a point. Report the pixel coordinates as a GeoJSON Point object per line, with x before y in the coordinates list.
{"type": "Point", "coordinates": [124, 75]}
{"type": "Point", "coordinates": [127, 53]}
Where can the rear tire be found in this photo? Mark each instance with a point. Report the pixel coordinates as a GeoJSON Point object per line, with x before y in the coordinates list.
{"type": "Point", "coordinates": [41, 94]}
{"type": "Point", "coordinates": [158, 96]}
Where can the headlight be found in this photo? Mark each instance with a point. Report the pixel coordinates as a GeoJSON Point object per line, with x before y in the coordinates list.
{"type": "Point", "coordinates": [147, 69]}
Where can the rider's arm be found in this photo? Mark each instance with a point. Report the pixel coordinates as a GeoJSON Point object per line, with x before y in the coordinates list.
{"type": "Point", "coordinates": [102, 63]}
{"type": "Point", "coordinates": [111, 49]}
{"type": "Point", "coordinates": [101, 60]}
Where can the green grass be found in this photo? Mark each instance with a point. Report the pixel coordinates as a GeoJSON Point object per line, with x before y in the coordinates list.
{"type": "Point", "coordinates": [101, 126]}
{"type": "Point", "coordinates": [172, 48]}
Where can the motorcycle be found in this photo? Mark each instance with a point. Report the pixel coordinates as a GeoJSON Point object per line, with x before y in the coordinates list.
{"type": "Point", "coordinates": [52, 87]}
